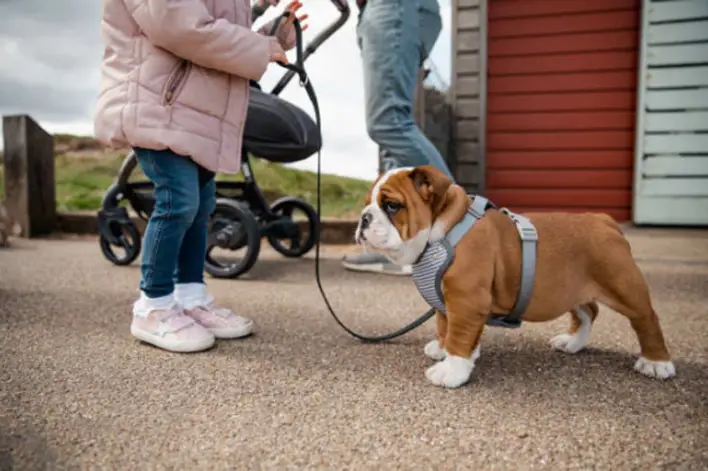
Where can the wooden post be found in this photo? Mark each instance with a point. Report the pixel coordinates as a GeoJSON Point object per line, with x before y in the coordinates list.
{"type": "Point", "coordinates": [30, 197]}
{"type": "Point", "coordinates": [4, 227]}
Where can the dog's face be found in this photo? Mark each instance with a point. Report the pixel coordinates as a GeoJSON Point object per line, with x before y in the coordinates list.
{"type": "Point", "coordinates": [401, 208]}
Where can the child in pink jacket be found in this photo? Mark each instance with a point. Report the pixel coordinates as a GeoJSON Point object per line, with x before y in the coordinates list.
{"type": "Point", "coordinates": [175, 88]}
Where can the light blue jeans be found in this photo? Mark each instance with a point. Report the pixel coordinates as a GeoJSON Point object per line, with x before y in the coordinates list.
{"type": "Point", "coordinates": [395, 36]}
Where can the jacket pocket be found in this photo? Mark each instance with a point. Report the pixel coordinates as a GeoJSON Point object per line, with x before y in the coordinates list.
{"type": "Point", "coordinates": [175, 82]}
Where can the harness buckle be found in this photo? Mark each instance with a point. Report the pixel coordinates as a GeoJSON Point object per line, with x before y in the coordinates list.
{"type": "Point", "coordinates": [528, 234]}
{"type": "Point", "coordinates": [473, 212]}
{"type": "Point", "coordinates": [527, 231]}
{"type": "Point", "coordinates": [478, 206]}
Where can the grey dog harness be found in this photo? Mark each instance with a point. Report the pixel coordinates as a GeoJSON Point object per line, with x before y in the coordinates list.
{"type": "Point", "coordinates": [428, 270]}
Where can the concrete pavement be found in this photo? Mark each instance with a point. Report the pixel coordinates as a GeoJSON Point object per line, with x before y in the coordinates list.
{"type": "Point", "coordinates": [78, 392]}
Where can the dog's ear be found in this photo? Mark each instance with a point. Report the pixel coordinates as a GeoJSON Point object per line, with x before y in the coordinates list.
{"type": "Point", "coordinates": [369, 193]}
{"type": "Point", "coordinates": [430, 183]}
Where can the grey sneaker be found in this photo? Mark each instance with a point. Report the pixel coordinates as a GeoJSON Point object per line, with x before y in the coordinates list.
{"type": "Point", "coordinates": [366, 262]}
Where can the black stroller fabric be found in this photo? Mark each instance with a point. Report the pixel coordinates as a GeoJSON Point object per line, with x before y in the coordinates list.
{"type": "Point", "coordinates": [277, 130]}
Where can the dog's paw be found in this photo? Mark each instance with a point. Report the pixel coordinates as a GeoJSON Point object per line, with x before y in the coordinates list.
{"type": "Point", "coordinates": [452, 372]}
{"type": "Point", "coordinates": [433, 350]}
{"type": "Point", "coordinates": [568, 343]}
{"type": "Point", "coordinates": [576, 341]}
{"type": "Point", "coordinates": [655, 369]}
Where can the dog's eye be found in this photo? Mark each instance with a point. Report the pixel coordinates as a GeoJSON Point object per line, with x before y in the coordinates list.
{"type": "Point", "coordinates": [392, 207]}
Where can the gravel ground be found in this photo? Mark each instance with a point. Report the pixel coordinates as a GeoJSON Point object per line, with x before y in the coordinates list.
{"type": "Point", "coordinates": [78, 392]}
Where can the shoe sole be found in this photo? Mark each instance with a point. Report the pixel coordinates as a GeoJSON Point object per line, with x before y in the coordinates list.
{"type": "Point", "coordinates": [181, 347]}
{"type": "Point", "coordinates": [231, 334]}
{"type": "Point", "coordinates": [382, 268]}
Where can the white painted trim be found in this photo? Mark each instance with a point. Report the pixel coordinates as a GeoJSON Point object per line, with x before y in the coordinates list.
{"type": "Point", "coordinates": [677, 121]}
{"type": "Point", "coordinates": [637, 210]}
{"type": "Point", "coordinates": [676, 99]}
{"type": "Point", "coordinates": [676, 166]}
{"type": "Point", "coordinates": [661, 210]}
{"type": "Point", "coordinates": [675, 143]}
{"type": "Point", "coordinates": [676, 11]}
{"type": "Point", "coordinates": [670, 188]}
{"type": "Point", "coordinates": [674, 187]}
{"type": "Point", "coordinates": [672, 33]}
{"type": "Point", "coordinates": [678, 54]}
{"type": "Point", "coordinates": [674, 77]}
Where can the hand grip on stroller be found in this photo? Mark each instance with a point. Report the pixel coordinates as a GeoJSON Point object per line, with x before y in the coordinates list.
{"type": "Point", "coordinates": [299, 61]}
{"type": "Point", "coordinates": [304, 52]}
{"type": "Point", "coordinates": [258, 11]}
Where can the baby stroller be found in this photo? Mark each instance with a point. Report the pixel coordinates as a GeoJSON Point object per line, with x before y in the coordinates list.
{"type": "Point", "coordinates": [276, 131]}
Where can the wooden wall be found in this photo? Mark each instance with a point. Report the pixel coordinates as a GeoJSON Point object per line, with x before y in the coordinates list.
{"type": "Point", "coordinates": [466, 93]}
{"type": "Point", "coordinates": [671, 180]}
{"type": "Point", "coordinates": [561, 104]}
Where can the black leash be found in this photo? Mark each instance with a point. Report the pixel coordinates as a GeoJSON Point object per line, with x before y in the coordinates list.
{"type": "Point", "coordinates": [299, 69]}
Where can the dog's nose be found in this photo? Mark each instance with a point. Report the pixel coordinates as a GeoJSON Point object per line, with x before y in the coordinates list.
{"type": "Point", "coordinates": [366, 219]}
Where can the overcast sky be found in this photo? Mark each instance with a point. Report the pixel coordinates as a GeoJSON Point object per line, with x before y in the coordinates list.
{"type": "Point", "coordinates": [50, 53]}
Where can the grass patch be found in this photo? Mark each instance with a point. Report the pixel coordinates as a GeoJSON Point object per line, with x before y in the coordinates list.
{"type": "Point", "coordinates": [82, 179]}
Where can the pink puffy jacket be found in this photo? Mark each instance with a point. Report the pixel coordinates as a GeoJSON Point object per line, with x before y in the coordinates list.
{"type": "Point", "coordinates": [175, 75]}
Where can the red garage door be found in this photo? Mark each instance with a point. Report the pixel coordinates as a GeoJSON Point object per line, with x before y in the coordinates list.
{"type": "Point", "coordinates": [561, 104]}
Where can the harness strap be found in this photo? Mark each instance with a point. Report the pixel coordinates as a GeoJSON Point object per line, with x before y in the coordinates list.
{"type": "Point", "coordinates": [529, 238]}
{"type": "Point", "coordinates": [475, 211]}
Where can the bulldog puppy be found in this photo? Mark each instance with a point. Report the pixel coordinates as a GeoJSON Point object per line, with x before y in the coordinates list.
{"type": "Point", "coordinates": [582, 260]}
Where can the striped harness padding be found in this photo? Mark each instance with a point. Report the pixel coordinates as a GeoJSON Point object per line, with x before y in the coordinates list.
{"type": "Point", "coordinates": [428, 270]}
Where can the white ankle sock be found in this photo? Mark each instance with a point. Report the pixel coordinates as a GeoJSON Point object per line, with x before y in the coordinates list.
{"type": "Point", "coordinates": [191, 295]}
{"type": "Point", "coordinates": [144, 305]}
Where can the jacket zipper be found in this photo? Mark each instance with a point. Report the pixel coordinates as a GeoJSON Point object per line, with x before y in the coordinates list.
{"type": "Point", "coordinates": [175, 81]}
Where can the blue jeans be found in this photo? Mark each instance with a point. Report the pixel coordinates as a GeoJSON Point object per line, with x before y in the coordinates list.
{"type": "Point", "coordinates": [395, 36]}
{"type": "Point", "coordinates": [175, 240]}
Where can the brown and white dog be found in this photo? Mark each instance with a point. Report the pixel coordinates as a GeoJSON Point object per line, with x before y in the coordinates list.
{"type": "Point", "coordinates": [582, 260]}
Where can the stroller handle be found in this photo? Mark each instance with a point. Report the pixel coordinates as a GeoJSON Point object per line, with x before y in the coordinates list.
{"type": "Point", "coordinates": [344, 12]}
{"type": "Point", "coordinates": [258, 11]}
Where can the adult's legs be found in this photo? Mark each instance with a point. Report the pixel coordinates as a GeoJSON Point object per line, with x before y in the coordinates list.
{"type": "Point", "coordinates": [395, 36]}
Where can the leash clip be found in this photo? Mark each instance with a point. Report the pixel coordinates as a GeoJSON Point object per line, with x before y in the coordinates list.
{"type": "Point", "coordinates": [305, 81]}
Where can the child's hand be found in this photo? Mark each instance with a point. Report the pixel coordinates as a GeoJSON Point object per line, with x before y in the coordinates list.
{"type": "Point", "coordinates": [277, 54]}
{"type": "Point", "coordinates": [292, 7]}
{"type": "Point", "coordinates": [285, 31]}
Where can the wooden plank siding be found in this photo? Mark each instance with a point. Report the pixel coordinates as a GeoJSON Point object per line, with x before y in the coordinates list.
{"type": "Point", "coordinates": [561, 100]}
{"type": "Point", "coordinates": [671, 177]}
{"type": "Point", "coordinates": [467, 95]}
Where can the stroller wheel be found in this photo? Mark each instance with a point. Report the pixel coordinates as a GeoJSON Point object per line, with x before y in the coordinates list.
{"type": "Point", "coordinates": [294, 233]}
{"type": "Point", "coordinates": [126, 238]}
{"type": "Point", "coordinates": [232, 228]}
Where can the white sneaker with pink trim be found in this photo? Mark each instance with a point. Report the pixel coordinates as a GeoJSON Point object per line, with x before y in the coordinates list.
{"type": "Point", "coordinates": [170, 329]}
{"type": "Point", "coordinates": [199, 305]}
{"type": "Point", "coordinates": [220, 321]}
